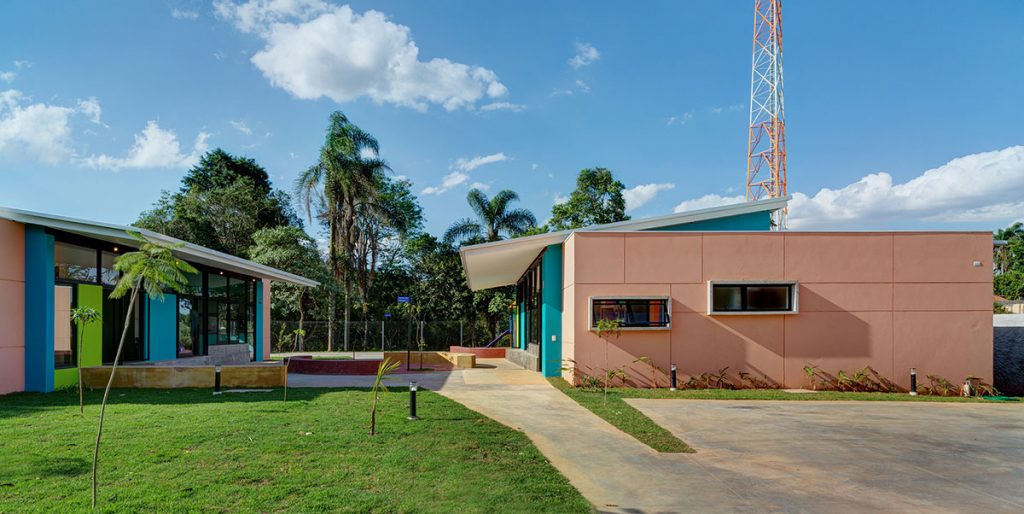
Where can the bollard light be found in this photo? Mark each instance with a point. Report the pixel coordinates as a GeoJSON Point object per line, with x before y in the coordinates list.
{"type": "Point", "coordinates": [913, 381]}
{"type": "Point", "coordinates": [412, 401]}
{"type": "Point", "coordinates": [216, 380]}
{"type": "Point", "coordinates": [673, 388]}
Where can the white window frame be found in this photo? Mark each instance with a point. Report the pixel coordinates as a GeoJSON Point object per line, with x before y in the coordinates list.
{"type": "Point", "coordinates": [795, 284]}
{"type": "Point", "coordinates": [668, 310]}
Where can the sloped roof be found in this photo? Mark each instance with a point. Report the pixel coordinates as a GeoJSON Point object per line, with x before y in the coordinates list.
{"type": "Point", "coordinates": [501, 263]}
{"type": "Point", "coordinates": [119, 234]}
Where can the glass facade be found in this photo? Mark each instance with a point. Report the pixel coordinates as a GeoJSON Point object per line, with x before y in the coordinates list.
{"type": "Point", "coordinates": [528, 292]}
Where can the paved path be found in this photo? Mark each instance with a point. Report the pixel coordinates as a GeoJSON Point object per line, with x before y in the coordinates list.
{"type": "Point", "coordinates": [755, 456]}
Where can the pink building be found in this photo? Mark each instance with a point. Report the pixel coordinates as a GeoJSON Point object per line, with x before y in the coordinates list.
{"type": "Point", "coordinates": [715, 288]}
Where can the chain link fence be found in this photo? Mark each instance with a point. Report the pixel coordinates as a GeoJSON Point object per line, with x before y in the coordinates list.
{"type": "Point", "coordinates": [376, 336]}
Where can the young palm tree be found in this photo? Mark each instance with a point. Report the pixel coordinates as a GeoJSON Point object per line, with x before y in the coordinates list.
{"type": "Point", "coordinates": [153, 268]}
{"type": "Point", "coordinates": [335, 189]}
{"type": "Point", "coordinates": [82, 316]}
{"type": "Point", "coordinates": [383, 370]}
{"type": "Point", "coordinates": [494, 219]}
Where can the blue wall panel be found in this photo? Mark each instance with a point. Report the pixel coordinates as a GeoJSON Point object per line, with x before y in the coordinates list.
{"type": "Point", "coordinates": [38, 309]}
{"type": "Point", "coordinates": [258, 344]}
{"type": "Point", "coordinates": [162, 327]}
{"type": "Point", "coordinates": [551, 311]}
{"type": "Point", "coordinates": [754, 221]}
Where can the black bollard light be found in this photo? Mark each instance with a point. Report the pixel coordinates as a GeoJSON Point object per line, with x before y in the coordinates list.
{"type": "Point", "coordinates": [216, 380]}
{"type": "Point", "coordinates": [673, 388]}
{"type": "Point", "coordinates": [913, 382]}
{"type": "Point", "coordinates": [412, 401]}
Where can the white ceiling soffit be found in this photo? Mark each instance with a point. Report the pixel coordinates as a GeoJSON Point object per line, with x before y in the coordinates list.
{"type": "Point", "coordinates": [188, 251]}
{"type": "Point", "coordinates": [501, 263]}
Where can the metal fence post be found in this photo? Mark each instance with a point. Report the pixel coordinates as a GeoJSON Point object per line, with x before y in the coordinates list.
{"type": "Point", "coordinates": [382, 335]}
{"type": "Point", "coordinates": [460, 333]}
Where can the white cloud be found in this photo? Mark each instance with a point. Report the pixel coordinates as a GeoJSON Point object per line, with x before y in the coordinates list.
{"type": "Point", "coordinates": [464, 164]}
{"type": "Point", "coordinates": [154, 147]}
{"type": "Point", "coordinates": [91, 109]}
{"type": "Point", "coordinates": [583, 86]}
{"type": "Point", "coordinates": [502, 106]}
{"type": "Point", "coordinates": [480, 185]}
{"type": "Point", "coordinates": [38, 131]}
{"type": "Point", "coordinates": [314, 49]}
{"type": "Point", "coordinates": [559, 198]}
{"type": "Point", "coordinates": [449, 181]}
{"type": "Point", "coordinates": [707, 201]}
{"type": "Point", "coordinates": [534, 166]}
{"type": "Point", "coordinates": [7, 76]}
{"type": "Point", "coordinates": [585, 54]}
{"type": "Point", "coordinates": [184, 14]}
{"type": "Point", "coordinates": [987, 186]}
{"type": "Point", "coordinates": [241, 127]}
{"type": "Point", "coordinates": [22, 64]}
{"type": "Point", "coordinates": [637, 196]}
{"type": "Point", "coordinates": [681, 119]}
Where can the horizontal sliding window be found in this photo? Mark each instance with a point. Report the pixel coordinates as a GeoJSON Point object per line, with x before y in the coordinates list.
{"type": "Point", "coordinates": [752, 297]}
{"type": "Point", "coordinates": [631, 312]}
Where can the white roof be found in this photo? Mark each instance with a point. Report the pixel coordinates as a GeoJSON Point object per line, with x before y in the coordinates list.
{"type": "Point", "coordinates": [190, 252]}
{"type": "Point", "coordinates": [501, 263]}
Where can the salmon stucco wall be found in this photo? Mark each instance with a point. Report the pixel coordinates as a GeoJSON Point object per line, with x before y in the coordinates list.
{"type": "Point", "coordinates": [12, 307]}
{"type": "Point", "coordinates": [889, 300]}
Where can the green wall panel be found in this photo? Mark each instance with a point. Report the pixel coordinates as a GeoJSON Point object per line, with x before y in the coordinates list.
{"type": "Point", "coordinates": [65, 377]}
{"type": "Point", "coordinates": [92, 335]}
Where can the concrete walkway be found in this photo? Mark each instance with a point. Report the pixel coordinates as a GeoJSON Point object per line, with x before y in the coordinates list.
{"type": "Point", "coordinates": [755, 456]}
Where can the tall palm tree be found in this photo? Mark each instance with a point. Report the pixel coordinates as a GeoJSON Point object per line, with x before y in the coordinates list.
{"type": "Point", "coordinates": [1003, 253]}
{"type": "Point", "coordinates": [494, 219]}
{"type": "Point", "coordinates": [335, 189]}
{"type": "Point", "coordinates": [153, 268]}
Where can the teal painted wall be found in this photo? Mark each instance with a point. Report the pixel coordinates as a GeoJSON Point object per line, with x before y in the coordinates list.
{"type": "Point", "coordinates": [754, 221]}
{"type": "Point", "coordinates": [38, 309]}
{"type": "Point", "coordinates": [162, 327]}
{"type": "Point", "coordinates": [258, 344]}
{"type": "Point", "coordinates": [551, 311]}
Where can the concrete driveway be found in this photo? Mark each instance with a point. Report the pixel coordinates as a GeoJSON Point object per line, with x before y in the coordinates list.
{"type": "Point", "coordinates": [802, 456]}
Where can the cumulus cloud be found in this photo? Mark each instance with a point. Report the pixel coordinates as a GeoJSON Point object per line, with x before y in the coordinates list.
{"type": "Point", "coordinates": [314, 49]}
{"type": "Point", "coordinates": [184, 14]}
{"type": "Point", "coordinates": [637, 196]}
{"type": "Point", "coordinates": [464, 164]}
{"type": "Point", "coordinates": [154, 147]}
{"type": "Point", "coordinates": [987, 186]}
{"type": "Point", "coordinates": [7, 76]}
{"type": "Point", "coordinates": [449, 181]}
{"type": "Point", "coordinates": [707, 201]}
{"type": "Point", "coordinates": [91, 109]}
{"type": "Point", "coordinates": [34, 130]}
{"type": "Point", "coordinates": [241, 127]}
{"type": "Point", "coordinates": [480, 185]}
{"type": "Point", "coordinates": [585, 55]}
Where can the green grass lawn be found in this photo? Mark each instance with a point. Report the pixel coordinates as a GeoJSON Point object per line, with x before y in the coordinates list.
{"type": "Point", "coordinates": [186, 450]}
{"type": "Point", "coordinates": [633, 422]}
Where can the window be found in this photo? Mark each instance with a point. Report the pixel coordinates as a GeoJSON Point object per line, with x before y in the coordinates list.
{"type": "Point", "coordinates": [752, 297]}
{"type": "Point", "coordinates": [632, 313]}
{"type": "Point", "coordinates": [108, 275]}
{"type": "Point", "coordinates": [63, 330]}
{"type": "Point", "coordinates": [72, 262]}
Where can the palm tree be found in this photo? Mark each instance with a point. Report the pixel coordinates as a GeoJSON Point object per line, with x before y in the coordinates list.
{"type": "Point", "coordinates": [82, 316]}
{"type": "Point", "coordinates": [494, 220]}
{"type": "Point", "coordinates": [1004, 256]}
{"type": "Point", "coordinates": [152, 268]}
{"type": "Point", "coordinates": [335, 189]}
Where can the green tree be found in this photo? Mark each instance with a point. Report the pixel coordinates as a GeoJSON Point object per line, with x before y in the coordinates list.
{"type": "Point", "coordinates": [494, 221]}
{"type": "Point", "coordinates": [153, 269]}
{"type": "Point", "coordinates": [340, 185]}
{"type": "Point", "coordinates": [81, 317]}
{"type": "Point", "coordinates": [597, 200]}
{"type": "Point", "coordinates": [1009, 285]}
{"type": "Point", "coordinates": [1010, 255]}
{"type": "Point", "coordinates": [223, 200]}
{"type": "Point", "coordinates": [292, 250]}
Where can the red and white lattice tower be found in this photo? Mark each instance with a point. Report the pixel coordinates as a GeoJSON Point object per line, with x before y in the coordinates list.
{"type": "Point", "coordinates": [766, 143]}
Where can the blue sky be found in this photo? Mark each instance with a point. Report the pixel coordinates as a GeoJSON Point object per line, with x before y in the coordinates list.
{"type": "Point", "coordinates": [899, 114]}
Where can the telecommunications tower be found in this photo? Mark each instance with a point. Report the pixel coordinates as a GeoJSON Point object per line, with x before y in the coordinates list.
{"type": "Point", "coordinates": [766, 143]}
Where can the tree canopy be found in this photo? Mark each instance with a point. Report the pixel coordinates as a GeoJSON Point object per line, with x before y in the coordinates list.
{"type": "Point", "coordinates": [596, 200]}
{"type": "Point", "coordinates": [495, 219]}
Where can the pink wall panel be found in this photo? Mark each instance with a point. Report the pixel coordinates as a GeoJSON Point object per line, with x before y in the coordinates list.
{"type": "Point", "coordinates": [836, 341]}
{"type": "Point", "coordinates": [742, 257]}
{"type": "Point", "coordinates": [690, 298]}
{"type": "Point", "coordinates": [12, 307]}
{"type": "Point", "coordinates": [943, 296]}
{"type": "Point", "coordinates": [653, 258]}
{"type": "Point", "coordinates": [600, 258]}
{"type": "Point", "coordinates": [752, 344]}
{"type": "Point", "coordinates": [949, 344]}
{"type": "Point", "coordinates": [816, 297]}
{"type": "Point", "coordinates": [814, 257]}
{"type": "Point", "coordinates": [12, 251]}
{"type": "Point", "coordinates": [12, 370]}
{"type": "Point", "coordinates": [923, 257]}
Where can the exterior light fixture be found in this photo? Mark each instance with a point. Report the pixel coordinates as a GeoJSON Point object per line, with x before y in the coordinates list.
{"type": "Point", "coordinates": [216, 380]}
{"type": "Point", "coordinates": [412, 401]}
{"type": "Point", "coordinates": [913, 381]}
{"type": "Point", "coordinates": [116, 249]}
{"type": "Point", "coordinates": [673, 388]}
